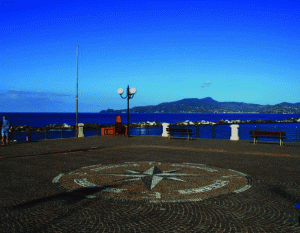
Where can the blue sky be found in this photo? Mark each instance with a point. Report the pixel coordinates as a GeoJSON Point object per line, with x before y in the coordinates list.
{"type": "Point", "coordinates": [243, 51]}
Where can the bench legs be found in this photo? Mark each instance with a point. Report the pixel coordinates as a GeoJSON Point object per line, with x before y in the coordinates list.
{"type": "Point", "coordinates": [255, 140]}
{"type": "Point", "coordinates": [171, 137]}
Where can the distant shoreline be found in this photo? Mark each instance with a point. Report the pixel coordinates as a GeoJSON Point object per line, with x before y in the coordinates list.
{"type": "Point", "coordinates": [191, 113]}
{"type": "Point", "coordinates": [5, 113]}
{"type": "Point", "coordinates": [40, 120]}
{"type": "Point", "coordinates": [153, 124]}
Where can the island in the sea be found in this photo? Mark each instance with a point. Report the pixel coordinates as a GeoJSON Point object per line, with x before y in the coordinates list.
{"type": "Point", "coordinates": [209, 105]}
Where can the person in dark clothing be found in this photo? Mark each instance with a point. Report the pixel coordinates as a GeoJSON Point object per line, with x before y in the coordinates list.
{"type": "Point", "coordinates": [5, 129]}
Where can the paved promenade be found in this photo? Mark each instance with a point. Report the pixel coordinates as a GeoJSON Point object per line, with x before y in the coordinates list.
{"type": "Point", "coordinates": [149, 184]}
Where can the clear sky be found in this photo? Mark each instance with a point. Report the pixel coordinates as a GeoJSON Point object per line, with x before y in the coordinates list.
{"type": "Point", "coordinates": [243, 51]}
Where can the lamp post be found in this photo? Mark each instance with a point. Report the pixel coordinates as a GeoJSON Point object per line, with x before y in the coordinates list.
{"type": "Point", "coordinates": [77, 97]}
{"type": "Point", "coordinates": [129, 95]}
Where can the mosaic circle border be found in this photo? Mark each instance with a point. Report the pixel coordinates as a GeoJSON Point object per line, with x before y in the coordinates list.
{"type": "Point", "coordinates": [86, 184]}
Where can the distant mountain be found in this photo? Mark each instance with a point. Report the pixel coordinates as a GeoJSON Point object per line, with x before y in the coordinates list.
{"type": "Point", "coordinates": [209, 105]}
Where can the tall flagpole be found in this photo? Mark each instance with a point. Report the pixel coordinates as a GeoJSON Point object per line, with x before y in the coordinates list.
{"type": "Point", "coordinates": [77, 97]}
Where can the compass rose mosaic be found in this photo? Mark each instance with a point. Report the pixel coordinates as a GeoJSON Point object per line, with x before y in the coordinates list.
{"type": "Point", "coordinates": [155, 181]}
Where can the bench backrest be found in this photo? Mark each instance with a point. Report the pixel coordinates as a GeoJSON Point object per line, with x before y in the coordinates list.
{"type": "Point", "coordinates": [271, 133]}
{"type": "Point", "coordinates": [179, 130]}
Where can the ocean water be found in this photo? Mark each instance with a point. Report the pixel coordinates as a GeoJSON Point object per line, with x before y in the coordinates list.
{"type": "Point", "coordinates": [205, 131]}
{"type": "Point", "coordinates": [43, 119]}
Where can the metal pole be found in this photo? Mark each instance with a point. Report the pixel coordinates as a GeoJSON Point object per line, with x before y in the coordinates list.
{"type": "Point", "coordinates": [77, 97]}
{"type": "Point", "coordinates": [128, 130]}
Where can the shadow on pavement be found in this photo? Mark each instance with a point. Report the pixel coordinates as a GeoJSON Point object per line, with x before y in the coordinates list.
{"type": "Point", "coordinates": [69, 197]}
{"type": "Point", "coordinates": [54, 216]}
{"type": "Point", "coordinates": [283, 194]}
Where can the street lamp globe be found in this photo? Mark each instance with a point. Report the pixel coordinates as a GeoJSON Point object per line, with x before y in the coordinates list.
{"type": "Point", "coordinates": [120, 91]}
{"type": "Point", "coordinates": [132, 90]}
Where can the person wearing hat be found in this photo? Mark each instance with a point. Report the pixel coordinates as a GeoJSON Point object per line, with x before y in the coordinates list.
{"type": "Point", "coordinates": [5, 129]}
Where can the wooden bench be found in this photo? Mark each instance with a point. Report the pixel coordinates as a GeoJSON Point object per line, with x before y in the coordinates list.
{"type": "Point", "coordinates": [172, 131]}
{"type": "Point", "coordinates": [267, 134]}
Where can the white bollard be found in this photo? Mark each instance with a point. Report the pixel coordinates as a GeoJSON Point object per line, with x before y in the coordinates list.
{"type": "Point", "coordinates": [80, 130]}
{"type": "Point", "coordinates": [165, 126]}
{"type": "Point", "coordinates": [234, 132]}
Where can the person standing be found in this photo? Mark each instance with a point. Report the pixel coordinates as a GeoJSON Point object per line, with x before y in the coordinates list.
{"type": "Point", "coordinates": [5, 129]}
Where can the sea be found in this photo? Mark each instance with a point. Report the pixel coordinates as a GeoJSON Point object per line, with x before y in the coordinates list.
{"type": "Point", "coordinates": [43, 119]}
{"type": "Point", "coordinates": [206, 131]}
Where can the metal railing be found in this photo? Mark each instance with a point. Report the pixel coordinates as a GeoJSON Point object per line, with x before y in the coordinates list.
{"type": "Point", "coordinates": [216, 131]}
{"type": "Point", "coordinates": [292, 131]}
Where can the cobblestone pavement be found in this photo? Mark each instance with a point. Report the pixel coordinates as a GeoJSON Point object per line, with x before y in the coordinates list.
{"type": "Point", "coordinates": [32, 201]}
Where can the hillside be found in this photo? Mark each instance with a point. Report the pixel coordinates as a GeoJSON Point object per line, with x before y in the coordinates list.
{"type": "Point", "coordinates": [209, 105]}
